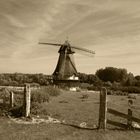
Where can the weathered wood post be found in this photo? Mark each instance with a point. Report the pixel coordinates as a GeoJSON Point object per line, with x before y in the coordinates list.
{"type": "Point", "coordinates": [27, 100]}
{"type": "Point", "coordinates": [129, 119]}
{"type": "Point", "coordinates": [11, 99]}
{"type": "Point", "coordinates": [103, 109]}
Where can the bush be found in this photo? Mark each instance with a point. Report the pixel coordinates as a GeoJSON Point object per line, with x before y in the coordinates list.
{"type": "Point", "coordinates": [16, 111]}
{"type": "Point", "coordinates": [35, 108]}
{"type": "Point", "coordinates": [38, 99]}
{"type": "Point", "coordinates": [95, 88]}
{"type": "Point", "coordinates": [18, 99]}
{"type": "Point", "coordinates": [43, 94]}
{"type": "Point", "coordinates": [52, 91]}
{"type": "Point", "coordinates": [118, 92]}
{"type": "Point", "coordinates": [40, 96]}
{"type": "Point", "coordinates": [85, 85]}
{"type": "Point", "coordinates": [107, 84]}
{"type": "Point", "coordinates": [129, 89]}
{"type": "Point", "coordinates": [4, 95]}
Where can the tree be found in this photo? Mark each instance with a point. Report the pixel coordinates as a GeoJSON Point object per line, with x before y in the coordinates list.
{"type": "Point", "coordinates": [137, 80]}
{"type": "Point", "coordinates": [130, 80]}
{"type": "Point", "coordinates": [18, 79]}
{"type": "Point", "coordinates": [112, 74]}
{"type": "Point", "coordinates": [137, 77]}
{"type": "Point", "coordinates": [89, 78]}
{"type": "Point", "coordinates": [83, 77]}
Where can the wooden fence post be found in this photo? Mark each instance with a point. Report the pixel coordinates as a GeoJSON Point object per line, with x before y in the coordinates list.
{"type": "Point", "coordinates": [27, 100]}
{"type": "Point", "coordinates": [129, 119]}
{"type": "Point", "coordinates": [103, 109]}
{"type": "Point", "coordinates": [11, 99]}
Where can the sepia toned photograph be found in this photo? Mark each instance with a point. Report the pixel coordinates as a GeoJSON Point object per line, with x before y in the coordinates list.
{"type": "Point", "coordinates": [69, 70]}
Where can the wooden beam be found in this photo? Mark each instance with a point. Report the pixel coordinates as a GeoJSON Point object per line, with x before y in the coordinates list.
{"type": "Point", "coordinates": [135, 119]}
{"type": "Point", "coordinates": [117, 113]}
{"type": "Point", "coordinates": [117, 124]}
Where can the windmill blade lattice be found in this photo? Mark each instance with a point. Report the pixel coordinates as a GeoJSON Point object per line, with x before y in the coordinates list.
{"type": "Point", "coordinates": [66, 67]}
{"type": "Point", "coordinates": [54, 44]}
{"type": "Point", "coordinates": [83, 49]}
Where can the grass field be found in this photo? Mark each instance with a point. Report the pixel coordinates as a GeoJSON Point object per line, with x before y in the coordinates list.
{"type": "Point", "coordinates": [74, 109]}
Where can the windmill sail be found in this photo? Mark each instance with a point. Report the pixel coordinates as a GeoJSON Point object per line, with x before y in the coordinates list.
{"type": "Point", "coordinates": [66, 69]}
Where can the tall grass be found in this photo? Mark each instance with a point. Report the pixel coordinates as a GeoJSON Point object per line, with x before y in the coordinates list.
{"type": "Point", "coordinates": [41, 96]}
{"type": "Point", "coordinates": [38, 98]}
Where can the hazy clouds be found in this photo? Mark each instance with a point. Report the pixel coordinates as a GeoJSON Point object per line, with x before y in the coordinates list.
{"type": "Point", "coordinates": [110, 27]}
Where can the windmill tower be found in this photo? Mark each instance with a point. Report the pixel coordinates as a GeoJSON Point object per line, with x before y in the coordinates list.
{"type": "Point", "coordinates": [65, 69]}
{"type": "Point", "coordinates": [65, 72]}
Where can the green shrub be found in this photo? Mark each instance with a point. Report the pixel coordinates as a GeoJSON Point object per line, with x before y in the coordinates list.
{"type": "Point", "coordinates": [4, 95]}
{"type": "Point", "coordinates": [40, 96]}
{"type": "Point", "coordinates": [18, 99]}
{"type": "Point", "coordinates": [38, 99]}
{"type": "Point", "coordinates": [16, 111]}
{"type": "Point", "coordinates": [129, 89]}
{"type": "Point", "coordinates": [52, 91]}
{"type": "Point", "coordinates": [85, 85]}
{"type": "Point", "coordinates": [35, 108]}
{"type": "Point", "coordinates": [95, 88]}
{"type": "Point", "coordinates": [109, 92]}
{"type": "Point", "coordinates": [117, 92]}
{"type": "Point", "coordinates": [43, 94]}
{"type": "Point", "coordinates": [38, 109]}
{"type": "Point", "coordinates": [107, 84]}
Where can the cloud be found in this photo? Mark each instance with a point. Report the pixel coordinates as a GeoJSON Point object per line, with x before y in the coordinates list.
{"type": "Point", "coordinates": [23, 22]}
{"type": "Point", "coordinates": [109, 27]}
{"type": "Point", "coordinates": [14, 21]}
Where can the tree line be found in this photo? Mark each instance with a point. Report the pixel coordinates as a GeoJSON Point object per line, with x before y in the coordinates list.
{"type": "Point", "coordinates": [18, 79]}
{"type": "Point", "coordinates": [109, 76]}
{"type": "Point", "coordinates": [106, 76]}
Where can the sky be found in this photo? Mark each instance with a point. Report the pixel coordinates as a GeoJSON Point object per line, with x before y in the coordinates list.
{"type": "Point", "coordinates": [109, 27]}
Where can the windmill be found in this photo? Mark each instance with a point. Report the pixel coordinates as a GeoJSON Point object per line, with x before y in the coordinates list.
{"type": "Point", "coordinates": [65, 71]}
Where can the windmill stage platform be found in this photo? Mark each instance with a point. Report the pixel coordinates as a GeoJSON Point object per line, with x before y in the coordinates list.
{"type": "Point", "coordinates": [70, 83]}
